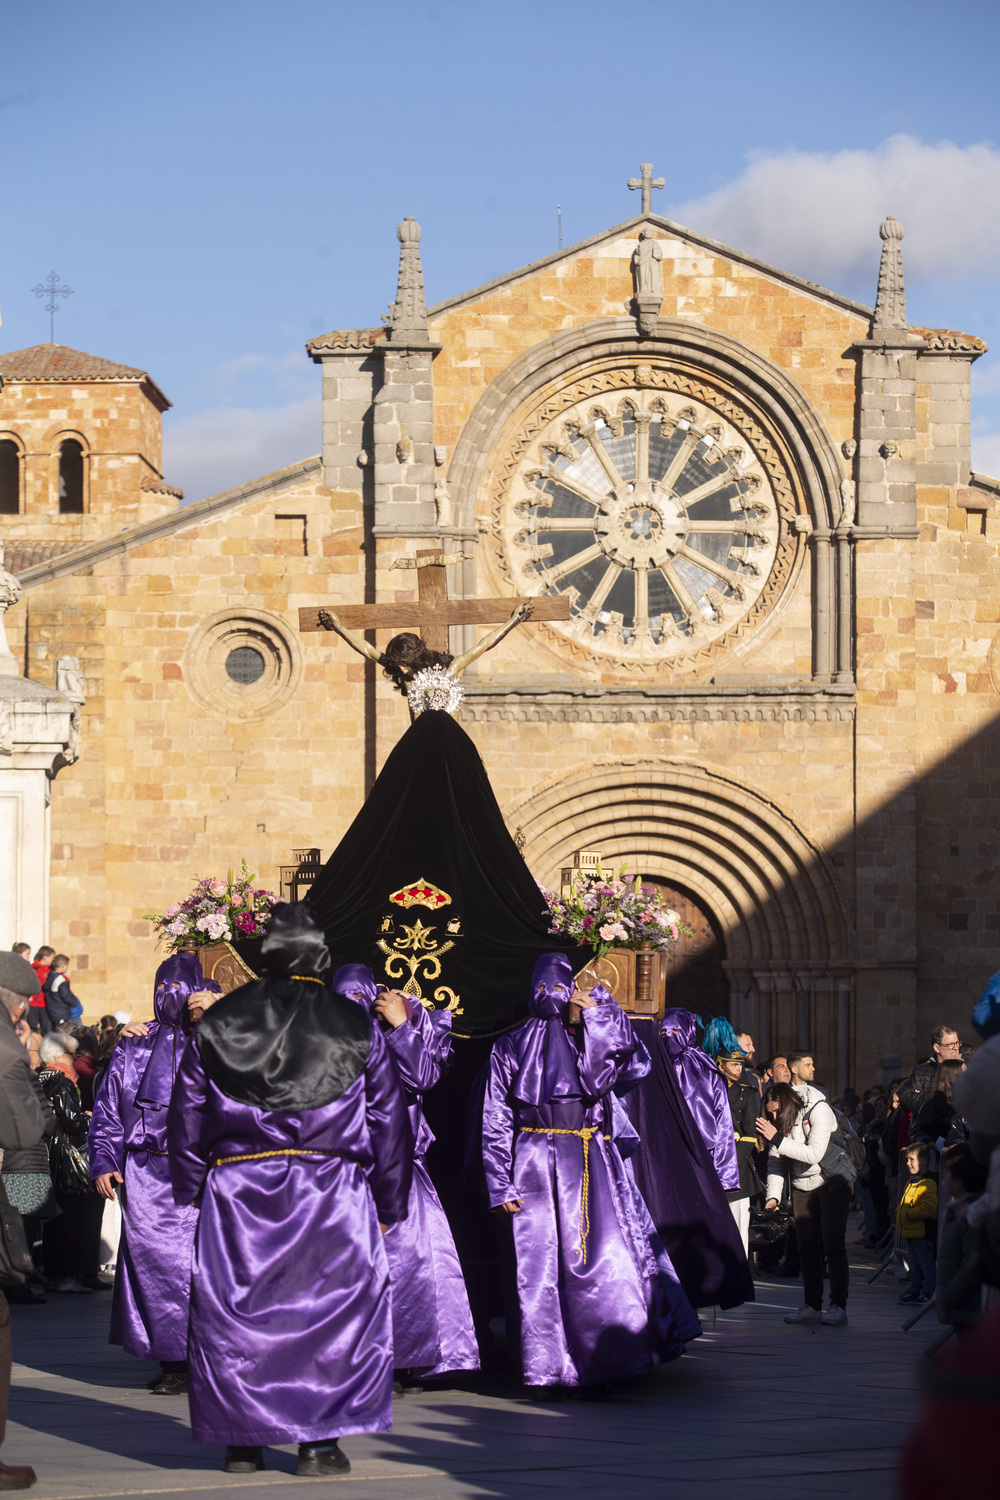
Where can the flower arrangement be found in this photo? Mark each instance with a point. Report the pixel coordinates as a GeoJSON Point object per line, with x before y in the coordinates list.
{"type": "Point", "coordinates": [604, 911]}
{"type": "Point", "coordinates": [216, 911]}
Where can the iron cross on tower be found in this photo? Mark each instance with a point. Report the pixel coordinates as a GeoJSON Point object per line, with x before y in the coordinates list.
{"type": "Point", "coordinates": [50, 288]}
{"type": "Point", "coordinates": [647, 182]}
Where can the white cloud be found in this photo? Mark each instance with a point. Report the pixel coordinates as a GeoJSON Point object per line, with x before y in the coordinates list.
{"type": "Point", "coordinates": [286, 371]}
{"type": "Point", "coordinates": [819, 213]}
{"type": "Point", "coordinates": [986, 378]}
{"type": "Point", "coordinates": [986, 453]}
{"type": "Point", "coordinates": [227, 446]}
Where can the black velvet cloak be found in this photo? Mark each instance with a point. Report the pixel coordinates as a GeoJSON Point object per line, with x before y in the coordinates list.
{"type": "Point", "coordinates": [286, 1042]}
{"type": "Point", "coordinates": [429, 861]}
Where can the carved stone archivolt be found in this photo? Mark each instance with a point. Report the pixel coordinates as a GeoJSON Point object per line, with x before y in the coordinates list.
{"type": "Point", "coordinates": [658, 503]}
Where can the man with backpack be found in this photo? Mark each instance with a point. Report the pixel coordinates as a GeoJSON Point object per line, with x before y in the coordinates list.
{"type": "Point", "coordinates": [819, 1153]}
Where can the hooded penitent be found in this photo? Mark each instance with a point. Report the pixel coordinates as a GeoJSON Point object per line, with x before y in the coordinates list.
{"type": "Point", "coordinates": [128, 1135]}
{"type": "Point", "coordinates": [432, 1329]}
{"type": "Point", "coordinates": [587, 1280]}
{"type": "Point", "coordinates": [429, 875]}
{"type": "Point", "coordinates": [286, 1042]}
{"type": "Point", "coordinates": [676, 1175]}
{"type": "Point", "coordinates": [289, 1126]}
{"type": "Point", "coordinates": [704, 1090]}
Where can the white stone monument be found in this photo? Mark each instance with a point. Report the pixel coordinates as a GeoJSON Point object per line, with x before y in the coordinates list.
{"type": "Point", "coordinates": [39, 734]}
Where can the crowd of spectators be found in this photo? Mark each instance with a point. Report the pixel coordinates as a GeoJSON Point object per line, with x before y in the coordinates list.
{"type": "Point", "coordinates": [903, 1154]}
{"type": "Point", "coordinates": [48, 1182]}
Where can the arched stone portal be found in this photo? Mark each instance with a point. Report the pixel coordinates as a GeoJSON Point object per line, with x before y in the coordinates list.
{"type": "Point", "coordinates": [776, 902]}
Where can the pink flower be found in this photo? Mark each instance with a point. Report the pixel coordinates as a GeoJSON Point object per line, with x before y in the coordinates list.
{"type": "Point", "coordinates": [589, 922]}
{"type": "Point", "coordinates": [217, 887]}
{"type": "Point", "coordinates": [612, 930]}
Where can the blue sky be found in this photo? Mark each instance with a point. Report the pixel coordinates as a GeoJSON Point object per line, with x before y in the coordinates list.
{"type": "Point", "coordinates": [218, 182]}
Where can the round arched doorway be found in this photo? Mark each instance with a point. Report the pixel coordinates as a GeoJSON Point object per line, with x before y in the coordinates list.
{"type": "Point", "coordinates": [696, 978]}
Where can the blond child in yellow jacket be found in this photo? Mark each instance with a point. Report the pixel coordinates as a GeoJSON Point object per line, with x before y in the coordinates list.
{"type": "Point", "coordinates": [916, 1220]}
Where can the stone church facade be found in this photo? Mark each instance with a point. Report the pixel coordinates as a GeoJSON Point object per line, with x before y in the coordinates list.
{"type": "Point", "coordinates": [777, 690]}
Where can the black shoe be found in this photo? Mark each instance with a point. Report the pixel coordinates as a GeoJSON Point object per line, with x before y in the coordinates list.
{"type": "Point", "coordinates": [316, 1459]}
{"type": "Point", "coordinates": [21, 1478]}
{"type": "Point", "coordinates": [243, 1460]}
{"type": "Point", "coordinates": [172, 1383]}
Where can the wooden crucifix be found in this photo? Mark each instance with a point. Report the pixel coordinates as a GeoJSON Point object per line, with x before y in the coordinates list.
{"type": "Point", "coordinates": [433, 611]}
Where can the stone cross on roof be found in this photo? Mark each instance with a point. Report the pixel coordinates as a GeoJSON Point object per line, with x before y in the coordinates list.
{"type": "Point", "coordinates": [647, 182]}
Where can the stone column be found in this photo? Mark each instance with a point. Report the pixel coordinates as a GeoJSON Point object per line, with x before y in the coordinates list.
{"type": "Point", "coordinates": [845, 1029]}
{"type": "Point", "coordinates": [885, 534]}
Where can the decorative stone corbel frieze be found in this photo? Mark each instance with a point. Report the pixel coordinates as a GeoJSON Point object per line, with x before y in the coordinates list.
{"type": "Point", "coordinates": [566, 700]}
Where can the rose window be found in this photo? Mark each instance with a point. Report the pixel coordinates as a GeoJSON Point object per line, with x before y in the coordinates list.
{"type": "Point", "coordinates": [652, 512]}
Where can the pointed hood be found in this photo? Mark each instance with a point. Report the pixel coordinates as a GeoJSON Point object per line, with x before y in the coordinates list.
{"type": "Point", "coordinates": [679, 1030]}
{"type": "Point", "coordinates": [548, 1061]}
{"type": "Point", "coordinates": [177, 979]}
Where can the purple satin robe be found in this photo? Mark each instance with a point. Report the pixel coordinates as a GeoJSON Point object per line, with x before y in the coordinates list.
{"type": "Point", "coordinates": [589, 1312]}
{"type": "Point", "coordinates": [291, 1333]}
{"type": "Point", "coordinates": [128, 1134]}
{"type": "Point", "coordinates": [705, 1093]}
{"type": "Point", "coordinates": [432, 1329]}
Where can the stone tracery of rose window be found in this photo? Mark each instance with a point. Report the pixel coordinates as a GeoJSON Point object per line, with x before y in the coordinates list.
{"type": "Point", "coordinates": [651, 510]}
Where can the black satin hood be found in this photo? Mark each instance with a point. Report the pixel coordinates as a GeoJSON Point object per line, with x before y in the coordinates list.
{"type": "Point", "coordinates": [286, 1042]}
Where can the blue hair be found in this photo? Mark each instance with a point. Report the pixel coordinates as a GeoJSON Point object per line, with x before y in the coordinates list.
{"type": "Point", "coordinates": [720, 1038]}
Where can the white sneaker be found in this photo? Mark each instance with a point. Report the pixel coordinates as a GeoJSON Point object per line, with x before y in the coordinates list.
{"type": "Point", "coordinates": [805, 1315]}
{"type": "Point", "coordinates": [835, 1317]}
{"type": "Point", "coordinates": [69, 1284]}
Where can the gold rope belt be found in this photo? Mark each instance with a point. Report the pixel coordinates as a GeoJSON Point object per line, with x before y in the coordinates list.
{"type": "Point", "coordinates": [752, 1138]}
{"type": "Point", "coordinates": [305, 978]}
{"type": "Point", "coordinates": [225, 1161]}
{"type": "Point", "coordinates": [585, 1136]}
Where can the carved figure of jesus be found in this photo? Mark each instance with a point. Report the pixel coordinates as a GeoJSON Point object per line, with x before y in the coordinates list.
{"type": "Point", "coordinates": [427, 679]}
{"type": "Point", "coordinates": [647, 265]}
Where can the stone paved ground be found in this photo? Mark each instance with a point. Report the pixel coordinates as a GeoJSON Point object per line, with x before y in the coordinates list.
{"type": "Point", "coordinates": [756, 1409]}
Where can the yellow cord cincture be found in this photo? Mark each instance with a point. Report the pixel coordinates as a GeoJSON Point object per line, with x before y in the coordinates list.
{"type": "Point", "coordinates": [224, 1161]}
{"type": "Point", "coordinates": [306, 978]}
{"type": "Point", "coordinates": [585, 1135]}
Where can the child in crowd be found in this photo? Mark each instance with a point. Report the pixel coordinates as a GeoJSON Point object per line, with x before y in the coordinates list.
{"type": "Point", "coordinates": [959, 1276]}
{"type": "Point", "coordinates": [37, 1015]}
{"type": "Point", "coordinates": [60, 1002]}
{"type": "Point", "coordinates": [916, 1218]}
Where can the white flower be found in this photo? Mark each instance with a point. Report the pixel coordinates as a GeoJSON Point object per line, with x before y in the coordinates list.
{"type": "Point", "coordinates": [214, 924]}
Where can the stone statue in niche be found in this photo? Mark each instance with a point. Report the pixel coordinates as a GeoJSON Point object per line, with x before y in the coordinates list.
{"type": "Point", "coordinates": [69, 679]}
{"type": "Point", "coordinates": [647, 281]}
{"type": "Point", "coordinates": [647, 266]}
{"type": "Point", "coordinates": [848, 496]}
{"type": "Point", "coordinates": [442, 503]}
